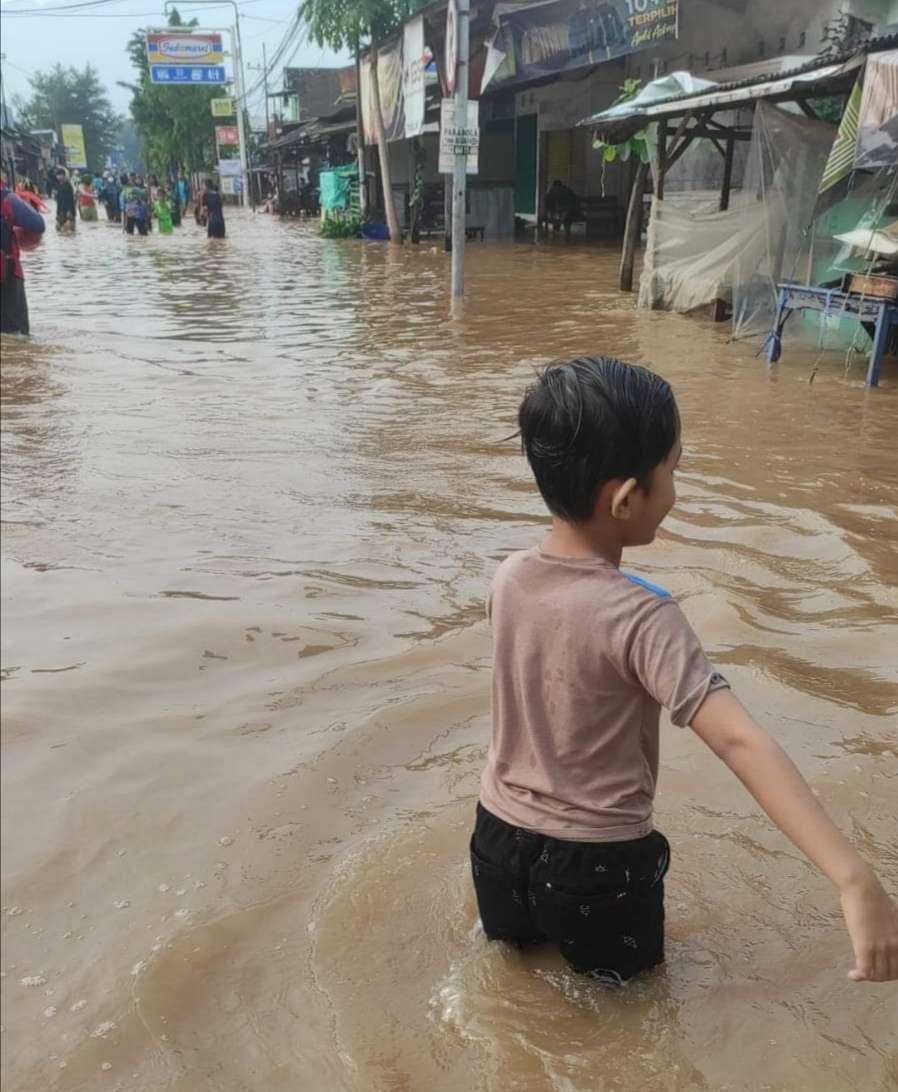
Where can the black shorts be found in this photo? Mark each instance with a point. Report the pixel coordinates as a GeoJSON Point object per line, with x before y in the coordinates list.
{"type": "Point", "coordinates": [601, 903]}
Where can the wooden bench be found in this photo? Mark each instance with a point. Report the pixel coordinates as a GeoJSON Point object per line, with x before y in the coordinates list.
{"type": "Point", "coordinates": [603, 217]}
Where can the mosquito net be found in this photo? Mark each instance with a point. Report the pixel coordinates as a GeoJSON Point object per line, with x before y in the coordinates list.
{"type": "Point", "coordinates": [696, 253]}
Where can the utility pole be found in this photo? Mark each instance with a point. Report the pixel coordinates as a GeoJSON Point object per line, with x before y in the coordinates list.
{"type": "Point", "coordinates": [241, 109]}
{"type": "Point", "coordinates": [264, 71]}
{"type": "Point", "coordinates": [460, 173]}
{"type": "Point", "coordinates": [265, 79]}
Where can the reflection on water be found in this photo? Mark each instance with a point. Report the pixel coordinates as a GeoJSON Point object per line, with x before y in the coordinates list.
{"type": "Point", "coordinates": [252, 497]}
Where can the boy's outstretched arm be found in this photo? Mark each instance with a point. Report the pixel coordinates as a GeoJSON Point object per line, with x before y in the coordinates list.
{"type": "Point", "coordinates": [773, 780]}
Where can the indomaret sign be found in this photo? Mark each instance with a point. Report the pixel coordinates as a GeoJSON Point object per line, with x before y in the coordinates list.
{"type": "Point", "coordinates": [185, 57]}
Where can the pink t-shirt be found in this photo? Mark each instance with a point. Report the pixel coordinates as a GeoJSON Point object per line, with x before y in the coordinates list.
{"type": "Point", "coordinates": [584, 657]}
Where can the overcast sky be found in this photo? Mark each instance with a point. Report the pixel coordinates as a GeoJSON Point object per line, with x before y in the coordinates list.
{"type": "Point", "coordinates": [99, 35]}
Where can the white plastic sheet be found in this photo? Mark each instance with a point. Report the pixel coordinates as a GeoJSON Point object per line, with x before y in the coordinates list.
{"type": "Point", "coordinates": [693, 249]}
{"type": "Point", "coordinates": [696, 254]}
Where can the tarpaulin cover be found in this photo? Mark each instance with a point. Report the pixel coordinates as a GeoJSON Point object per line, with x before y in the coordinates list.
{"type": "Point", "coordinates": [389, 85]}
{"type": "Point", "coordinates": [877, 130]}
{"type": "Point", "coordinates": [665, 87]}
{"type": "Point", "coordinates": [335, 186]}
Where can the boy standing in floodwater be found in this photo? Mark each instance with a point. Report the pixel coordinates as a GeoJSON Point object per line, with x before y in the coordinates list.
{"type": "Point", "coordinates": [564, 850]}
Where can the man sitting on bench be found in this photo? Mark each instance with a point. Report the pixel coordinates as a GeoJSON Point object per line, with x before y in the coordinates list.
{"type": "Point", "coordinates": [562, 206]}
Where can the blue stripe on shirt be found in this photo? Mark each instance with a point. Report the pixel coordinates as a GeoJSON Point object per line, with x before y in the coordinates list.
{"type": "Point", "coordinates": [655, 589]}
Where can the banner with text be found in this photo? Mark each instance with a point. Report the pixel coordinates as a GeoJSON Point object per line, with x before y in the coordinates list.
{"type": "Point", "coordinates": [73, 142]}
{"type": "Point", "coordinates": [560, 35]}
{"type": "Point", "coordinates": [227, 134]}
{"type": "Point", "coordinates": [458, 139]}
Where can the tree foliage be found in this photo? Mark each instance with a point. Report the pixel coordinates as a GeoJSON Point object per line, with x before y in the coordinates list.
{"type": "Point", "coordinates": [175, 124]}
{"type": "Point", "coordinates": [71, 96]}
{"type": "Point", "coordinates": [349, 24]}
{"type": "Point", "coordinates": [636, 145]}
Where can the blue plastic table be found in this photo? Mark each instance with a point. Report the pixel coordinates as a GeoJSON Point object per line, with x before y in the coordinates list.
{"type": "Point", "coordinates": [881, 313]}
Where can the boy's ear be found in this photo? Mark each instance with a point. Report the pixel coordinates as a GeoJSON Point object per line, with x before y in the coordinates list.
{"type": "Point", "coordinates": [620, 499]}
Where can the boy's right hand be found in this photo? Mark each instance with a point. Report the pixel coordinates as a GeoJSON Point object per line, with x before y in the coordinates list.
{"type": "Point", "coordinates": [872, 922]}
{"type": "Point", "coordinates": [771, 777]}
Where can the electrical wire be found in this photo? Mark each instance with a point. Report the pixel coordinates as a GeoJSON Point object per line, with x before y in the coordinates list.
{"type": "Point", "coordinates": [78, 6]}
{"type": "Point", "coordinates": [293, 38]}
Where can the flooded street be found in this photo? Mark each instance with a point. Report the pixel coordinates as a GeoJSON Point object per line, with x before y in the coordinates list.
{"type": "Point", "coordinates": [253, 494]}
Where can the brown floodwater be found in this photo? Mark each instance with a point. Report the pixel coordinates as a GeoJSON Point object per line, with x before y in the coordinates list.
{"type": "Point", "coordinates": [253, 494]}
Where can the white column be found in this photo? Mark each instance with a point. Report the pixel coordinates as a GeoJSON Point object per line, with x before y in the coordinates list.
{"type": "Point", "coordinates": [460, 174]}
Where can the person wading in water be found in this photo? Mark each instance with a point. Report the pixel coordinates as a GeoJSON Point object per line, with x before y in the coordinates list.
{"type": "Point", "coordinates": [135, 209]}
{"type": "Point", "coordinates": [211, 202]}
{"type": "Point", "coordinates": [19, 222]}
{"type": "Point", "coordinates": [65, 201]}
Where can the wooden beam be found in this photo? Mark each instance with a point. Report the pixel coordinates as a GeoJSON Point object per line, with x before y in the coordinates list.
{"type": "Point", "coordinates": [680, 148]}
{"type": "Point", "coordinates": [727, 175]}
{"type": "Point", "coordinates": [661, 166]}
{"type": "Point", "coordinates": [633, 228]}
{"type": "Point", "coordinates": [720, 134]}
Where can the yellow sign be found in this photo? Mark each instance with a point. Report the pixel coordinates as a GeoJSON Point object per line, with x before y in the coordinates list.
{"type": "Point", "coordinates": [73, 142]}
{"type": "Point", "coordinates": [178, 47]}
{"type": "Point", "coordinates": [222, 108]}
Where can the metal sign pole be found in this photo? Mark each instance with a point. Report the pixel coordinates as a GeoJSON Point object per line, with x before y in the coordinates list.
{"type": "Point", "coordinates": [237, 58]}
{"type": "Point", "coordinates": [238, 88]}
{"type": "Point", "coordinates": [460, 173]}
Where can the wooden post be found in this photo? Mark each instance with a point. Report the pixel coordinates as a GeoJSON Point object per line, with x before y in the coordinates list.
{"type": "Point", "coordinates": [662, 159]}
{"type": "Point", "coordinates": [633, 228]}
{"type": "Point", "coordinates": [412, 170]}
{"type": "Point", "coordinates": [447, 212]}
{"type": "Point", "coordinates": [727, 175]}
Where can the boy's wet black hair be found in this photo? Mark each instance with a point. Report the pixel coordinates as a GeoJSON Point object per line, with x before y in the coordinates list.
{"type": "Point", "coordinates": [592, 420]}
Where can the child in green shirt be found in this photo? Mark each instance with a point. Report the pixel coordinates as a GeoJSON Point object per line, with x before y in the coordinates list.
{"type": "Point", "coordinates": [162, 212]}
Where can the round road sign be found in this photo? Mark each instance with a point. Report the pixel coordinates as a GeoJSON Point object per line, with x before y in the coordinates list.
{"type": "Point", "coordinates": [451, 46]}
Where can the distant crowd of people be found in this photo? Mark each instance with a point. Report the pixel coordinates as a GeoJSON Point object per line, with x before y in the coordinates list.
{"type": "Point", "coordinates": [135, 202]}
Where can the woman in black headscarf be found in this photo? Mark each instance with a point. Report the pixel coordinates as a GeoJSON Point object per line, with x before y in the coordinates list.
{"type": "Point", "coordinates": [211, 202]}
{"type": "Point", "coordinates": [65, 201]}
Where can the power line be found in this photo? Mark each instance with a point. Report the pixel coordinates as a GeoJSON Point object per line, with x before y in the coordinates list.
{"type": "Point", "coordinates": [265, 19]}
{"type": "Point", "coordinates": [101, 15]}
{"type": "Point", "coordinates": [78, 8]}
{"type": "Point", "coordinates": [290, 41]}
{"type": "Point", "coordinates": [61, 8]}
{"type": "Point", "coordinates": [25, 71]}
